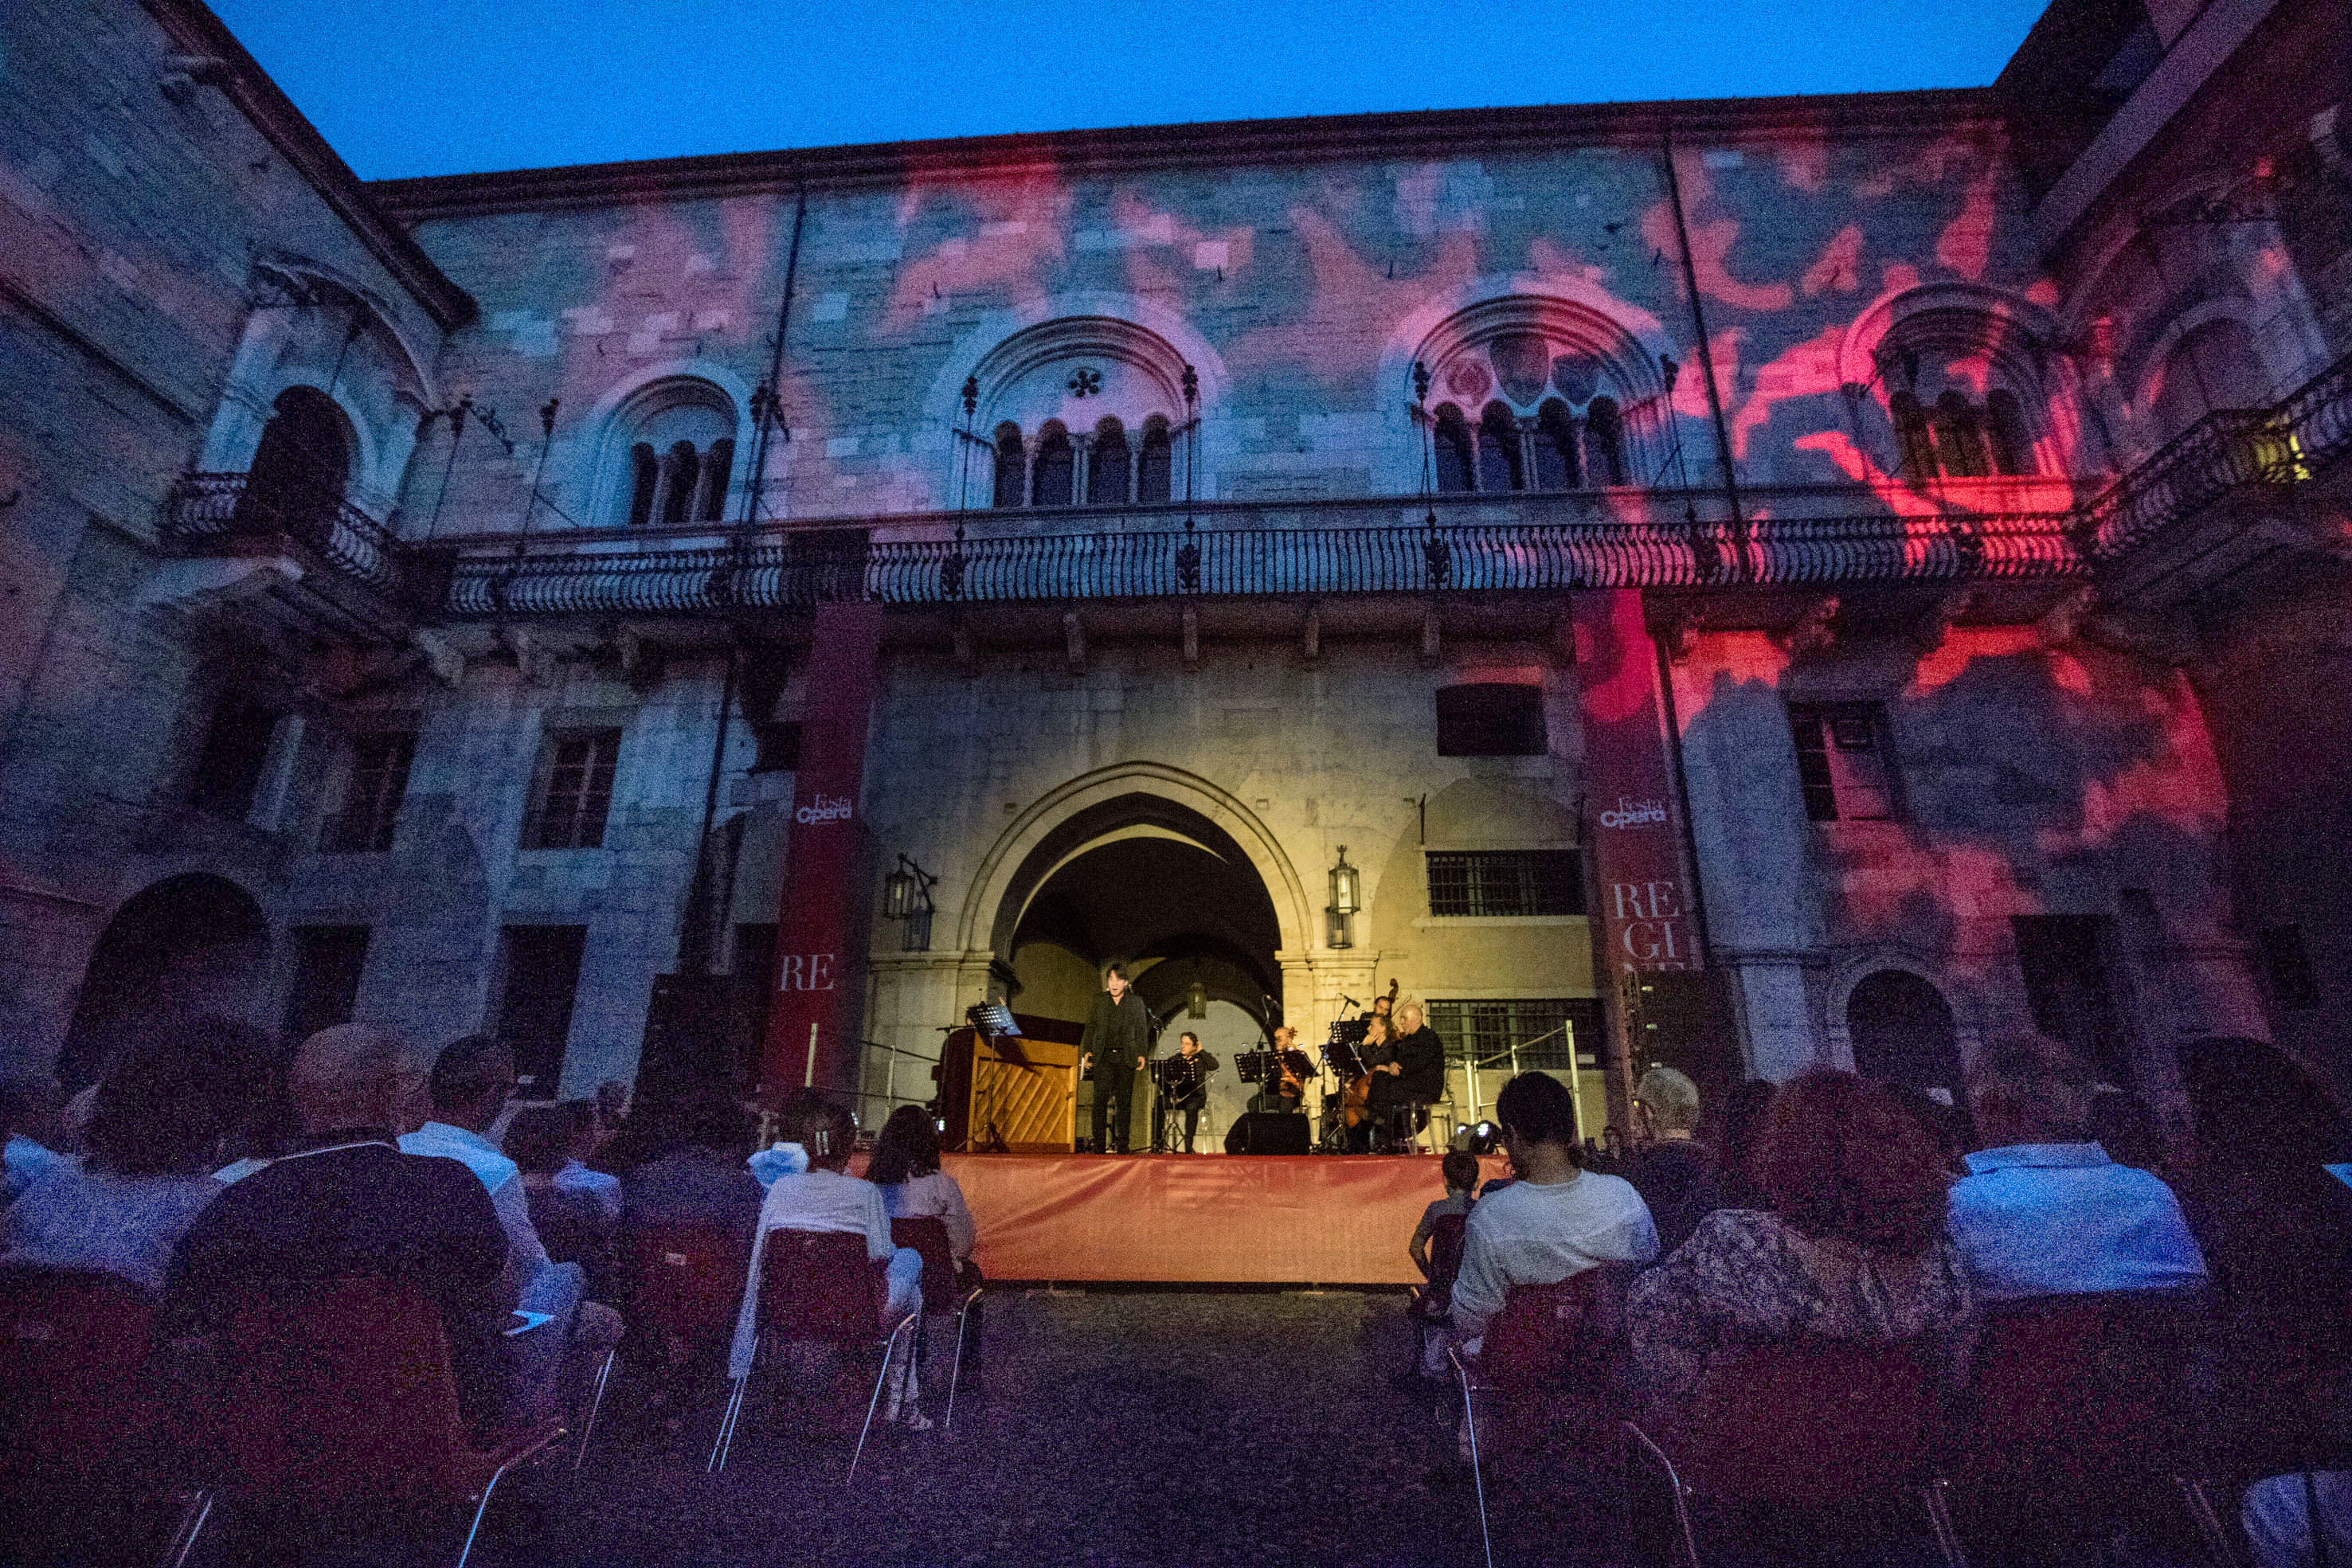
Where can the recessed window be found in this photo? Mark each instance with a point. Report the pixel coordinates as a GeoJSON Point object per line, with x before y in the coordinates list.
{"type": "Point", "coordinates": [1552, 1034]}
{"type": "Point", "coordinates": [574, 790]}
{"type": "Point", "coordinates": [235, 750]}
{"type": "Point", "coordinates": [1842, 761]}
{"type": "Point", "coordinates": [779, 743]}
{"type": "Point", "coordinates": [327, 963]}
{"type": "Point", "coordinates": [1490, 719]}
{"type": "Point", "coordinates": [1506, 882]}
{"type": "Point", "coordinates": [2061, 959]}
{"type": "Point", "coordinates": [2287, 962]}
{"type": "Point", "coordinates": [542, 984]}
{"type": "Point", "coordinates": [371, 796]}
{"type": "Point", "coordinates": [675, 441]}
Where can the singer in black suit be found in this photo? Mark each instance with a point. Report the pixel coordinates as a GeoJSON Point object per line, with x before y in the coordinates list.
{"type": "Point", "coordinates": [1118, 1044]}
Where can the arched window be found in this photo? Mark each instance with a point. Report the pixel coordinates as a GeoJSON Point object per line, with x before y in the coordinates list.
{"type": "Point", "coordinates": [672, 444]}
{"type": "Point", "coordinates": [1107, 465]}
{"type": "Point", "coordinates": [300, 469]}
{"type": "Point", "coordinates": [1604, 443]}
{"type": "Point", "coordinates": [1056, 465]}
{"type": "Point", "coordinates": [680, 471]}
{"type": "Point", "coordinates": [1914, 445]}
{"type": "Point", "coordinates": [2012, 442]}
{"type": "Point", "coordinates": [1156, 465]}
{"type": "Point", "coordinates": [717, 467]}
{"type": "Point", "coordinates": [1556, 465]}
{"type": "Point", "coordinates": [1453, 444]}
{"type": "Point", "coordinates": [644, 478]}
{"type": "Point", "coordinates": [1012, 467]}
{"type": "Point", "coordinates": [1959, 438]}
{"type": "Point", "coordinates": [1499, 467]}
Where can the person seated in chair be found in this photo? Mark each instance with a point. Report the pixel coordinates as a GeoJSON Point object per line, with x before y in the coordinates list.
{"type": "Point", "coordinates": [471, 1082]}
{"type": "Point", "coordinates": [1850, 1245]}
{"type": "Point", "coordinates": [1460, 1171]}
{"type": "Point", "coordinates": [906, 1167]}
{"type": "Point", "coordinates": [1669, 1161]}
{"type": "Point", "coordinates": [1288, 1071]}
{"type": "Point", "coordinates": [587, 1137]}
{"type": "Point", "coordinates": [1555, 1221]}
{"type": "Point", "coordinates": [346, 1201]}
{"type": "Point", "coordinates": [699, 1176]}
{"type": "Point", "coordinates": [155, 1133]}
{"type": "Point", "coordinates": [2043, 1211]}
{"type": "Point", "coordinates": [571, 1223]}
{"type": "Point", "coordinates": [826, 1197]}
{"type": "Point", "coordinates": [1409, 1083]}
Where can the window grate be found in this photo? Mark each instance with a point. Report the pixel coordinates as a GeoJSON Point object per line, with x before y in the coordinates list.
{"type": "Point", "coordinates": [575, 792]}
{"type": "Point", "coordinates": [1842, 761]}
{"type": "Point", "coordinates": [1483, 1031]}
{"type": "Point", "coordinates": [1506, 882]}
{"type": "Point", "coordinates": [379, 779]}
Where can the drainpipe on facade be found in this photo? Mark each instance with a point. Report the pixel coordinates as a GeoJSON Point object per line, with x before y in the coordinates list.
{"type": "Point", "coordinates": [1707, 369]}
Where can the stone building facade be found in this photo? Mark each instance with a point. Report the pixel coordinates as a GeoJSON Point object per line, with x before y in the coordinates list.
{"type": "Point", "coordinates": [418, 586]}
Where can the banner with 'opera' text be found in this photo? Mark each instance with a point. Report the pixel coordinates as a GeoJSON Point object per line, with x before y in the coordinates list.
{"type": "Point", "coordinates": [821, 935]}
{"type": "Point", "coordinates": [1633, 810]}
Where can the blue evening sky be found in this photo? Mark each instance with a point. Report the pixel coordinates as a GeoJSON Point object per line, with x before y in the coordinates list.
{"type": "Point", "coordinates": [434, 86]}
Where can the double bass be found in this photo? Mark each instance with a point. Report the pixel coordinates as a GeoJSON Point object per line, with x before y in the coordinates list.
{"type": "Point", "coordinates": [1355, 1101]}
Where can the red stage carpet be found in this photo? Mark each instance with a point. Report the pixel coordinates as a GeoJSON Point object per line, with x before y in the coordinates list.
{"type": "Point", "coordinates": [1200, 1220]}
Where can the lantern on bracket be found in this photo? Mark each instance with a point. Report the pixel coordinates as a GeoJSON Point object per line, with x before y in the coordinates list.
{"type": "Point", "coordinates": [1346, 898]}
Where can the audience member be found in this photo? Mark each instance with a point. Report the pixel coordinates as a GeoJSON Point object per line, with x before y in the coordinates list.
{"type": "Point", "coordinates": [2129, 1130]}
{"type": "Point", "coordinates": [906, 1167]}
{"type": "Point", "coordinates": [2043, 1211]}
{"type": "Point", "coordinates": [571, 1224]}
{"type": "Point", "coordinates": [346, 1201]}
{"type": "Point", "coordinates": [1669, 1161]}
{"type": "Point", "coordinates": [1730, 1180]}
{"type": "Point", "coordinates": [1612, 1146]}
{"type": "Point", "coordinates": [1556, 1220]}
{"type": "Point", "coordinates": [699, 1176]}
{"type": "Point", "coordinates": [470, 1083]}
{"type": "Point", "coordinates": [826, 1197]}
{"type": "Point", "coordinates": [32, 1117]}
{"type": "Point", "coordinates": [584, 1137]}
{"type": "Point", "coordinates": [1435, 1306]}
{"type": "Point", "coordinates": [155, 1134]}
{"type": "Point", "coordinates": [1850, 1244]}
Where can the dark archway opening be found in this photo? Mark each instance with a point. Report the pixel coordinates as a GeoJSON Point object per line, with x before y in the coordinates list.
{"type": "Point", "coordinates": [300, 469]}
{"type": "Point", "coordinates": [189, 945]}
{"type": "Point", "coordinates": [1902, 1032]}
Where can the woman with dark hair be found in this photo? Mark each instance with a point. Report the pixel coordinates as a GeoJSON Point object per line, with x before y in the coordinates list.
{"type": "Point", "coordinates": [906, 1167]}
{"type": "Point", "coordinates": [155, 1132]}
{"type": "Point", "coordinates": [1849, 1243]}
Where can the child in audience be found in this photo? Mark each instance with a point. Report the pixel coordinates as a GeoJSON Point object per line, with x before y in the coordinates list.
{"type": "Point", "coordinates": [1460, 1170]}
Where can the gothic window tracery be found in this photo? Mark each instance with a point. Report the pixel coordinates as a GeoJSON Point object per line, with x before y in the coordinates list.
{"type": "Point", "coordinates": [677, 446]}
{"type": "Point", "coordinates": [1958, 369]}
{"type": "Point", "coordinates": [1528, 393]}
{"type": "Point", "coordinates": [1080, 411]}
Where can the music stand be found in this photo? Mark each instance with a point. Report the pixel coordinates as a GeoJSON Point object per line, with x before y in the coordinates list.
{"type": "Point", "coordinates": [991, 1021]}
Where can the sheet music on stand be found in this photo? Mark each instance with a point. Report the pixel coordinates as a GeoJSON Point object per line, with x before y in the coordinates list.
{"type": "Point", "coordinates": [993, 1019]}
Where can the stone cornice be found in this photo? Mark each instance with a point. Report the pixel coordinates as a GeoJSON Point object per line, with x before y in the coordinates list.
{"type": "Point", "coordinates": [1431, 133]}
{"type": "Point", "coordinates": [195, 31]}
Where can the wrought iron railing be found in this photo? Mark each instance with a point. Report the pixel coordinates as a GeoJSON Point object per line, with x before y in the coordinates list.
{"type": "Point", "coordinates": [775, 572]}
{"type": "Point", "coordinates": [1295, 549]}
{"type": "Point", "coordinates": [209, 511]}
{"type": "Point", "coordinates": [2227, 451]}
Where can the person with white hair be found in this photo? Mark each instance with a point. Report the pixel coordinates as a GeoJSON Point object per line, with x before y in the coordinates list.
{"type": "Point", "coordinates": [346, 1201]}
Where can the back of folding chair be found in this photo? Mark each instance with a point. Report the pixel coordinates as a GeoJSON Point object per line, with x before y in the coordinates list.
{"type": "Point", "coordinates": [684, 1280]}
{"type": "Point", "coordinates": [2081, 1391]}
{"type": "Point", "coordinates": [1810, 1422]}
{"type": "Point", "coordinates": [819, 1285]}
{"type": "Point", "coordinates": [928, 1235]}
{"type": "Point", "coordinates": [77, 1400]}
{"type": "Point", "coordinates": [336, 1393]}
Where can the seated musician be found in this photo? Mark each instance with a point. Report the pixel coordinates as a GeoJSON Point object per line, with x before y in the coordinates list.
{"type": "Point", "coordinates": [1409, 1080]}
{"type": "Point", "coordinates": [1187, 1085]}
{"type": "Point", "coordinates": [1286, 1076]}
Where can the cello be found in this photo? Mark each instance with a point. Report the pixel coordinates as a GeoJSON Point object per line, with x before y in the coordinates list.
{"type": "Point", "coordinates": [1355, 1101]}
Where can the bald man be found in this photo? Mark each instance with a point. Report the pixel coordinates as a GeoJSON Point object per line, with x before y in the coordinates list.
{"type": "Point", "coordinates": [347, 1201]}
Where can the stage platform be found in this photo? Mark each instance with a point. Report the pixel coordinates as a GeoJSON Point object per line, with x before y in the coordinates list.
{"type": "Point", "coordinates": [1277, 1220]}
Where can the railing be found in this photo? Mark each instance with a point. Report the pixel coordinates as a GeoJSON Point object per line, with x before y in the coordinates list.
{"type": "Point", "coordinates": [1291, 550]}
{"type": "Point", "coordinates": [208, 511]}
{"type": "Point", "coordinates": [775, 571]}
{"type": "Point", "coordinates": [2226, 450]}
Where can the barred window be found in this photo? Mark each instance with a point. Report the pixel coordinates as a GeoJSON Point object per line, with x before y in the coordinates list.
{"type": "Point", "coordinates": [1485, 1031]}
{"type": "Point", "coordinates": [372, 797]}
{"type": "Point", "coordinates": [574, 791]}
{"type": "Point", "coordinates": [1842, 761]}
{"type": "Point", "coordinates": [1505, 882]}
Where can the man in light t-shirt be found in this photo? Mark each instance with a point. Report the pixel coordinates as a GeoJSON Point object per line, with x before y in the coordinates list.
{"type": "Point", "coordinates": [1556, 1220]}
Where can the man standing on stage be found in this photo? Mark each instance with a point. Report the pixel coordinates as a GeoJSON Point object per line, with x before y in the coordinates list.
{"type": "Point", "coordinates": [1414, 1077]}
{"type": "Point", "coordinates": [1118, 1044]}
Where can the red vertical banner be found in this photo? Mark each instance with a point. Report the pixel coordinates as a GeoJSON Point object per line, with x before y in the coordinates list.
{"type": "Point", "coordinates": [1633, 811]}
{"type": "Point", "coordinates": [821, 936]}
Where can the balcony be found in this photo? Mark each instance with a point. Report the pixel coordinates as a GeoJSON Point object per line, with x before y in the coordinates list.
{"type": "Point", "coordinates": [338, 571]}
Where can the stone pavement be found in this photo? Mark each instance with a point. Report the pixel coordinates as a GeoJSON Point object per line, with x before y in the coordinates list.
{"type": "Point", "coordinates": [1115, 1428]}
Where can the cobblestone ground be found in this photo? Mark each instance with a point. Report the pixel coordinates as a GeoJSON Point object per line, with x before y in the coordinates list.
{"type": "Point", "coordinates": [1114, 1429]}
